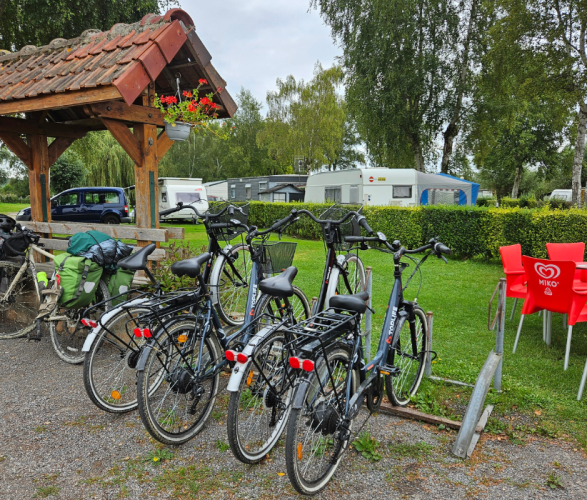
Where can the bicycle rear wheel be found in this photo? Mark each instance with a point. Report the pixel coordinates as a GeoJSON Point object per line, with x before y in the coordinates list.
{"type": "Point", "coordinates": [316, 433]}
{"type": "Point", "coordinates": [18, 310]}
{"type": "Point", "coordinates": [353, 266]}
{"type": "Point", "coordinates": [68, 334]}
{"type": "Point", "coordinates": [173, 406]}
{"type": "Point", "coordinates": [233, 291]}
{"type": "Point", "coordinates": [110, 365]}
{"type": "Point", "coordinates": [408, 353]}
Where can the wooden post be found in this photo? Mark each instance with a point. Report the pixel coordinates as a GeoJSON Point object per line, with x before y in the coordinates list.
{"type": "Point", "coordinates": [147, 178]}
{"type": "Point", "coordinates": [39, 179]}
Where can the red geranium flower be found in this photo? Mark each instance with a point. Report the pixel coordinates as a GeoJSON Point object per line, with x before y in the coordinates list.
{"type": "Point", "coordinates": [219, 89]}
{"type": "Point", "coordinates": [204, 101]}
{"type": "Point", "coordinates": [203, 81]}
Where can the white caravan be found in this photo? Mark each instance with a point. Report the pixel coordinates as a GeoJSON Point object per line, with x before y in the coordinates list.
{"type": "Point", "coordinates": [189, 191]}
{"type": "Point", "coordinates": [402, 187]}
{"type": "Point", "coordinates": [217, 190]}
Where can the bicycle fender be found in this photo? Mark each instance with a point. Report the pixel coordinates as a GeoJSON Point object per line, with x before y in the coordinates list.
{"type": "Point", "coordinates": [104, 319]}
{"type": "Point", "coordinates": [241, 368]}
{"type": "Point", "coordinates": [215, 275]}
{"type": "Point", "coordinates": [300, 394]}
{"type": "Point", "coordinates": [145, 351]}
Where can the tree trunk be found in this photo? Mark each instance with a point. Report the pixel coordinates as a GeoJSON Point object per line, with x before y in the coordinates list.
{"type": "Point", "coordinates": [449, 137]}
{"type": "Point", "coordinates": [418, 156]}
{"type": "Point", "coordinates": [579, 152]}
{"type": "Point", "coordinates": [517, 180]}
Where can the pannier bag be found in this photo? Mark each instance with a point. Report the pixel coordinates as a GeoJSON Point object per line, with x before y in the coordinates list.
{"type": "Point", "coordinates": [19, 242]}
{"type": "Point", "coordinates": [7, 225]}
{"type": "Point", "coordinates": [79, 278]}
{"type": "Point", "coordinates": [119, 283]}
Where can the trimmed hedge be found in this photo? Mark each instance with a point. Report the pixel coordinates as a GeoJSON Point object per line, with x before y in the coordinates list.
{"type": "Point", "coordinates": [469, 231]}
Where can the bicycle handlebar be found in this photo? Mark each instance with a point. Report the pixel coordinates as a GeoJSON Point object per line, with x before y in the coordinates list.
{"type": "Point", "coordinates": [181, 206]}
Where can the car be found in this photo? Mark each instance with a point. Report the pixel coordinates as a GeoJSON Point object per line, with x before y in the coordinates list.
{"type": "Point", "coordinates": [105, 205]}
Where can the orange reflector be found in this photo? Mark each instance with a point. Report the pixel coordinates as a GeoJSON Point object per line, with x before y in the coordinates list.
{"type": "Point", "coordinates": [300, 451]}
{"type": "Point", "coordinates": [115, 395]}
{"type": "Point", "coordinates": [182, 338]}
{"type": "Point", "coordinates": [250, 378]}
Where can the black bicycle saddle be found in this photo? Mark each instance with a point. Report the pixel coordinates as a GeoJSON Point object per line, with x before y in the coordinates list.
{"type": "Point", "coordinates": [280, 285]}
{"type": "Point", "coordinates": [356, 303]}
{"type": "Point", "coordinates": [190, 267]}
{"type": "Point", "coordinates": [138, 260]}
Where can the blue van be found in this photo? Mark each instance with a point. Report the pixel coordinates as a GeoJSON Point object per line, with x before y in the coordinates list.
{"type": "Point", "coordinates": [105, 205]}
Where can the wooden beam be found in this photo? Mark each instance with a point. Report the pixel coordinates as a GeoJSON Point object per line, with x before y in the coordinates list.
{"type": "Point", "coordinates": [60, 100]}
{"type": "Point", "coordinates": [118, 110]}
{"type": "Point", "coordinates": [58, 147]}
{"type": "Point", "coordinates": [60, 244]}
{"type": "Point", "coordinates": [163, 144]}
{"type": "Point", "coordinates": [412, 414]}
{"type": "Point", "coordinates": [125, 138]}
{"type": "Point", "coordinates": [17, 146]}
{"type": "Point", "coordinates": [120, 231]}
{"type": "Point", "coordinates": [31, 127]}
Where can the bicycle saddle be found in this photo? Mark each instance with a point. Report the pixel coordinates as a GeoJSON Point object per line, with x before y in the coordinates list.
{"type": "Point", "coordinates": [190, 267]}
{"type": "Point", "coordinates": [280, 285]}
{"type": "Point", "coordinates": [138, 260]}
{"type": "Point", "coordinates": [356, 303]}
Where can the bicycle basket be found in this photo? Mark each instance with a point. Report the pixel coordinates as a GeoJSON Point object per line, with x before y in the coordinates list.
{"type": "Point", "coordinates": [277, 256]}
{"type": "Point", "coordinates": [227, 233]}
{"type": "Point", "coordinates": [348, 228]}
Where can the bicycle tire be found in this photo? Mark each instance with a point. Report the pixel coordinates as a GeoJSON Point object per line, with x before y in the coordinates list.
{"type": "Point", "coordinates": [109, 357]}
{"type": "Point", "coordinates": [336, 285]}
{"type": "Point", "coordinates": [402, 387]}
{"type": "Point", "coordinates": [151, 399]}
{"type": "Point", "coordinates": [18, 313]}
{"type": "Point", "coordinates": [268, 305]}
{"type": "Point", "coordinates": [232, 299]}
{"type": "Point", "coordinates": [313, 430]}
{"type": "Point", "coordinates": [68, 337]}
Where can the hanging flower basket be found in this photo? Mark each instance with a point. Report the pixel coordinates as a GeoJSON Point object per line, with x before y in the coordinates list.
{"type": "Point", "coordinates": [178, 131]}
{"type": "Point", "coordinates": [183, 114]}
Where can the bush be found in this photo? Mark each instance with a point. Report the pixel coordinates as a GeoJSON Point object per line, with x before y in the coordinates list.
{"type": "Point", "coordinates": [486, 202]}
{"type": "Point", "coordinates": [509, 202]}
{"type": "Point", "coordinates": [529, 202]}
{"type": "Point", "coordinates": [9, 197]}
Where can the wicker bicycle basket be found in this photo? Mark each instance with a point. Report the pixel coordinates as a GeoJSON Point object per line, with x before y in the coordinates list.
{"type": "Point", "coordinates": [348, 228]}
{"type": "Point", "coordinates": [277, 256]}
{"type": "Point", "coordinates": [227, 233]}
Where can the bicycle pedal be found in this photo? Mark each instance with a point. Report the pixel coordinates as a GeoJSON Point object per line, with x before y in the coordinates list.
{"type": "Point", "coordinates": [394, 371]}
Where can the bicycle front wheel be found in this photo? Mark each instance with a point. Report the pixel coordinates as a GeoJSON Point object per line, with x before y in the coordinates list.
{"type": "Point", "coordinates": [110, 364]}
{"type": "Point", "coordinates": [317, 435]}
{"type": "Point", "coordinates": [233, 287]}
{"type": "Point", "coordinates": [173, 404]}
{"type": "Point", "coordinates": [355, 276]}
{"type": "Point", "coordinates": [408, 352]}
{"type": "Point", "coordinates": [18, 309]}
{"type": "Point", "coordinates": [68, 334]}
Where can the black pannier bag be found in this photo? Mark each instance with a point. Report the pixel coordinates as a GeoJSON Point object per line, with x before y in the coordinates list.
{"type": "Point", "coordinates": [15, 244]}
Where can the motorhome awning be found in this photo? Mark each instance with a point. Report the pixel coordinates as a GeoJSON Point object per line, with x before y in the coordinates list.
{"type": "Point", "coordinates": [436, 183]}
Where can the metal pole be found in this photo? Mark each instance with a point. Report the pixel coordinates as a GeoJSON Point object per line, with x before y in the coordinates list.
{"type": "Point", "coordinates": [428, 366]}
{"type": "Point", "coordinates": [499, 335]}
{"type": "Point", "coordinates": [368, 314]}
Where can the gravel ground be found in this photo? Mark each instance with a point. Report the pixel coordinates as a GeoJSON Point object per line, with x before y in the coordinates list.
{"type": "Point", "coordinates": [54, 443]}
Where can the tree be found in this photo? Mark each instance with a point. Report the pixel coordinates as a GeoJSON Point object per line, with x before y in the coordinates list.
{"type": "Point", "coordinates": [409, 69]}
{"type": "Point", "coordinates": [305, 119]}
{"type": "Point", "coordinates": [553, 32]}
{"type": "Point", "coordinates": [37, 22]}
{"type": "Point", "coordinates": [67, 172]}
{"type": "Point", "coordinates": [348, 155]}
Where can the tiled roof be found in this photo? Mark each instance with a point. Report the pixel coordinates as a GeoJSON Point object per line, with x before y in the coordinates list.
{"type": "Point", "coordinates": [128, 57]}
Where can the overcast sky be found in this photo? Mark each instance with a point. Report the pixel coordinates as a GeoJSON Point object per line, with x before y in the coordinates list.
{"type": "Point", "coordinates": [254, 42]}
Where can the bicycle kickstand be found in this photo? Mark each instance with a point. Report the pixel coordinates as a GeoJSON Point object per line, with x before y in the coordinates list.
{"type": "Point", "coordinates": [37, 336]}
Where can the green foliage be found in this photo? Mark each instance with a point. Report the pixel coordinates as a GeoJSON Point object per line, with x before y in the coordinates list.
{"type": "Point", "coordinates": [509, 202]}
{"type": "Point", "coordinates": [367, 446]}
{"type": "Point", "coordinates": [176, 251]}
{"type": "Point", "coordinates": [554, 481]}
{"type": "Point", "coordinates": [157, 457]}
{"type": "Point", "coordinates": [67, 172]}
{"type": "Point", "coordinates": [486, 202]}
{"type": "Point", "coordinates": [416, 451]}
{"type": "Point", "coordinates": [9, 197]}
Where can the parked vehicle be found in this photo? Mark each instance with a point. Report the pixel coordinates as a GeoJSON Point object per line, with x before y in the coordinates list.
{"type": "Point", "coordinates": [174, 190]}
{"type": "Point", "coordinates": [106, 205]}
{"type": "Point", "coordinates": [402, 187]}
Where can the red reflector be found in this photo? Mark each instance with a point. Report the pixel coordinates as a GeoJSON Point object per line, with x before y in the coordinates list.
{"type": "Point", "coordinates": [138, 332]}
{"type": "Point", "coordinates": [295, 363]}
{"type": "Point", "coordinates": [308, 365]}
{"type": "Point", "coordinates": [147, 333]}
{"type": "Point", "coordinates": [230, 355]}
{"type": "Point", "coordinates": [242, 358]}
{"type": "Point", "coordinates": [89, 323]}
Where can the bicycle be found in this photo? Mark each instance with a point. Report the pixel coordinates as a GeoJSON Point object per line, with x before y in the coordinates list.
{"type": "Point", "coordinates": [112, 350]}
{"type": "Point", "coordinates": [334, 380]}
{"type": "Point", "coordinates": [261, 401]}
{"type": "Point", "coordinates": [179, 368]}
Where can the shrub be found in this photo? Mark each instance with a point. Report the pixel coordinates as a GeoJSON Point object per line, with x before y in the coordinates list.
{"type": "Point", "coordinates": [486, 202]}
{"type": "Point", "coordinates": [10, 197]}
{"type": "Point", "coordinates": [509, 202]}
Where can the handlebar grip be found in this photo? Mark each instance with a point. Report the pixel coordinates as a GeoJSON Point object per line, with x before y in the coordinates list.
{"type": "Point", "coordinates": [365, 225]}
{"type": "Point", "coordinates": [169, 211]}
{"type": "Point", "coordinates": [281, 222]}
{"type": "Point", "coordinates": [440, 248]}
{"type": "Point", "coordinates": [360, 239]}
{"type": "Point", "coordinates": [221, 225]}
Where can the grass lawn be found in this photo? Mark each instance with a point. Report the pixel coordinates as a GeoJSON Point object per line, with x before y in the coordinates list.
{"type": "Point", "coordinates": [12, 208]}
{"type": "Point", "coordinates": [538, 395]}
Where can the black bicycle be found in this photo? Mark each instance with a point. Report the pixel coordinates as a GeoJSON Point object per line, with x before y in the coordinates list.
{"type": "Point", "coordinates": [335, 381]}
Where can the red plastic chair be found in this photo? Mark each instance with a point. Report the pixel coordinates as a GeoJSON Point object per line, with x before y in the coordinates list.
{"type": "Point", "coordinates": [511, 258]}
{"type": "Point", "coordinates": [568, 251]}
{"type": "Point", "coordinates": [551, 286]}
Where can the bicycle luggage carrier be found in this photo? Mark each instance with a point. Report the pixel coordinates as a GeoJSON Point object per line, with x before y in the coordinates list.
{"type": "Point", "coordinates": [321, 330]}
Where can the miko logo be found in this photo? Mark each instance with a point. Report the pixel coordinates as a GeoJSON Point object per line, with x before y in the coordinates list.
{"type": "Point", "coordinates": [549, 272]}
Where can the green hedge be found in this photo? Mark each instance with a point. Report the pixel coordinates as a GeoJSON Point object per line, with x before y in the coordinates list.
{"type": "Point", "coordinates": [469, 231]}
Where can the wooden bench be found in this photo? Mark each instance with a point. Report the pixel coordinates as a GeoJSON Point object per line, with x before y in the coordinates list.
{"type": "Point", "coordinates": [122, 232]}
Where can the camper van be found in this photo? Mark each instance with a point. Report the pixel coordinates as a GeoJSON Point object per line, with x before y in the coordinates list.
{"type": "Point", "coordinates": [404, 187]}
{"type": "Point", "coordinates": [172, 190]}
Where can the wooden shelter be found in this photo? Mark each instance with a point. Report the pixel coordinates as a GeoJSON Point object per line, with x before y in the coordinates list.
{"type": "Point", "coordinates": [103, 81]}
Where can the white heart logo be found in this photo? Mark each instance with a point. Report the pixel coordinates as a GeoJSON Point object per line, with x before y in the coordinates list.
{"type": "Point", "coordinates": [547, 271]}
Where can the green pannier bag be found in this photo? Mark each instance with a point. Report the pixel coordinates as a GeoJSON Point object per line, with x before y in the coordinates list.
{"type": "Point", "coordinates": [79, 277]}
{"type": "Point", "coordinates": [119, 283]}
